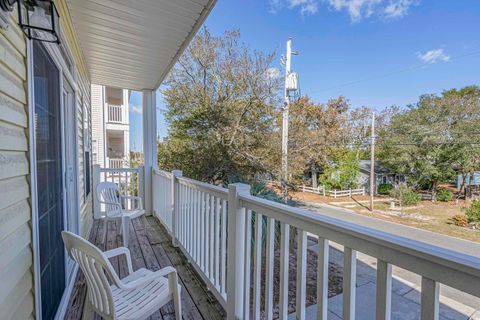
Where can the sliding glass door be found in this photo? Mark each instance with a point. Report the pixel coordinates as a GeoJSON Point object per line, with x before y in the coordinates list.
{"type": "Point", "coordinates": [48, 134]}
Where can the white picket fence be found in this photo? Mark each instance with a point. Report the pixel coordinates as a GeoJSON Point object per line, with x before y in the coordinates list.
{"type": "Point", "coordinates": [317, 190]}
{"type": "Point", "coordinates": [207, 222]}
{"type": "Point", "coordinates": [346, 193]}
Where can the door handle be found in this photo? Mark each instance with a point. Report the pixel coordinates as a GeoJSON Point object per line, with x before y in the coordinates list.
{"type": "Point", "coordinates": [70, 174]}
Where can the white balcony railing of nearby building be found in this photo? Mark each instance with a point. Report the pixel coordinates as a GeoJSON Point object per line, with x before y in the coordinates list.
{"type": "Point", "coordinates": [130, 181]}
{"type": "Point", "coordinates": [115, 163]}
{"type": "Point", "coordinates": [114, 113]}
{"type": "Point", "coordinates": [229, 237]}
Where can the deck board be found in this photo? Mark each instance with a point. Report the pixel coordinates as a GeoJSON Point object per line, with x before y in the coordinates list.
{"type": "Point", "coordinates": [151, 248]}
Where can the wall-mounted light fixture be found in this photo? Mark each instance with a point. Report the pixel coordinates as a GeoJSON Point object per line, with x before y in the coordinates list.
{"type": "Point", "coordinates": [37, 18]}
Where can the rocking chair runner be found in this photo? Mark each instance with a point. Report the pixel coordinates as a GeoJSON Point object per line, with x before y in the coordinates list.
{"type": "Point", "coordinates": [135, 297]}
{"type": "Point", "coordinates": [119, 207]}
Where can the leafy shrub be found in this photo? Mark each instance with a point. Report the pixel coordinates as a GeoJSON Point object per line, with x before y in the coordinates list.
{"type": "Point", "coordinates": [444, 195]}
{"type": "Point", "coordinates": [424, 184]}
{"type": "Point", "coordinates": [473, 212]}
{"type": "Point", "coordinates": [406, 196]}
{"type": "Point", "coordinates": [460, 220]}
{"type": "Point", "coordinates": [384, 188]}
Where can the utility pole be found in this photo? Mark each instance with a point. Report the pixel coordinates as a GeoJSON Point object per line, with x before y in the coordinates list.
{"type": "Point", "coordinates": [288, 59]}
{"type": "Point", "coordinates": [290, 85]}
{"type": "Point", "coordinates": [372, 162]}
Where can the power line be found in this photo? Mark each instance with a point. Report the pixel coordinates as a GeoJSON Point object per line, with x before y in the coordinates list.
{"type": "Point", "coordinates": [390, 73]}
{"type": "Point", "coordinates": [353, 144]}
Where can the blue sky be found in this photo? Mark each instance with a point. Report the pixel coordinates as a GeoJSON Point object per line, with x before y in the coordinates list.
{"type": "Point", "coordinates": [376, 53]}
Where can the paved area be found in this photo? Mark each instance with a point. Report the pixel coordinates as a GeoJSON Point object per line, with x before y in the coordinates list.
{"type": "Point", "coordinates": [405, 285]}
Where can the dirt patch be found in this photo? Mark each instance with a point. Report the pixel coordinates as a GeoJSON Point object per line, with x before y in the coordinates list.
{"type": "Point", "coordinates": [335, 276]}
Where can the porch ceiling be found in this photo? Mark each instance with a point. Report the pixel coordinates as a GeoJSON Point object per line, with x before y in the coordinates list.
{"type": "Point", "coordinates": [133, 44]}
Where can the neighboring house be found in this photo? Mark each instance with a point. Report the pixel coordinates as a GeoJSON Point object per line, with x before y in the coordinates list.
{"type": "Point", "coordinates": [469, 180]}
{"type": "Point", "coordinates": [110, 127]}
{"type": "Point", "coordinates": [45, 126]}
{"type": "Point", "coordinates": [382, 175]}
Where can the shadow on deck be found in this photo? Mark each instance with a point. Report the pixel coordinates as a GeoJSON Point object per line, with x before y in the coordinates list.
{"type": "Point", "coordinates": [151, 248]}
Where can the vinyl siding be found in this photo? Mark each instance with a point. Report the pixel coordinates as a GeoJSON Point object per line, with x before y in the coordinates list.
{"type": "Point", "coordinates": [17, 294]}
{"type": "Point", "coordinates": [16, 256]}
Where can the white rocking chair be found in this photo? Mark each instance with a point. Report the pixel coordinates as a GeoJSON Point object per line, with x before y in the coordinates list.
{"type": "Point", "coordinates": [119, 206]}
{"type": "Point", "coordinates": [135, 297]}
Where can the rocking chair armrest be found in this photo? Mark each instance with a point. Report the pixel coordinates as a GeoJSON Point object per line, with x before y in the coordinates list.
{"type": "Point", "coordinates": [167, 271]}
{"type": "Point", "coordinates": [119, 251]}
{"type": "Point", "coordinates": [139, 199]}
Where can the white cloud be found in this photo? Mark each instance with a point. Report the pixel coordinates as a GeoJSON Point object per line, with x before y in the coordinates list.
{"type": "Point", "coordinates": [306, 6]}
{"type": "Point", "coordinates": [137, 109]}
{"type": "Point", "coordinates": [398, 9]}
{"type": "Point", "coordinates": [433, 56]}
{"type": "Point", "coordinates": [356, 9]}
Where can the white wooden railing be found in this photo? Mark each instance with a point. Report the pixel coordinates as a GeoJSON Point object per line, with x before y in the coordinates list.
{"type": "Point", "coordinates": [162, 184]}
{"type": "Point", "coordinates": [346, 193]}
{"type": "Point", "coordinates": [130, 181]}
{"type": "Point", "coordinates": [205, 219]}
{"type": "Point", "coordinates": [115, 163]}
{"type": "Point", "coordinates": [115, 113]}
{"type": "Point", "coordinates": [195, 215]}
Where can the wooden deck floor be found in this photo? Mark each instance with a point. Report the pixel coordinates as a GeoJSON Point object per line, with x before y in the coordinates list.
{"type": "Point", "coordinates": [151, 248]}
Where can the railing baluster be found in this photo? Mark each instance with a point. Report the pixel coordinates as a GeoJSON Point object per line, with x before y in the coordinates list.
{"type": "Point", "coordinates": [217, 243]}
{"type": "Point", "coordinates": [224, 249]}
{"type": "Point", "coordinates": [207, 234]}
{"type": "Point", "coordinates": [322, 279]}
{"type": "Point", "coordinates": [187, 219]}
{"type": "Point", "coordinates": [269, 255]}
{"type": "Point", "coordinates": [429, 300]}
{"type": "Point", "coordinates": [248, 267]}
{"type": "Point", "coordinates": [194, 226]}
{"type": "Point", "coordinates": [301, 274]}
{"type": "Point", "coordinates": [257, 265]}
{"type": "Point", "coordinates": [211, 223]}
{"type": "Point", "coordinates": [199, 228]}
{"type": "Point", "coordinates": [349, 280]}
{"type": "Point", "coordinates": [284, 263]}
{"type": "Point", "coordinates": [384, 290]}
{"type": "Point", "coordinates": [202, 231]}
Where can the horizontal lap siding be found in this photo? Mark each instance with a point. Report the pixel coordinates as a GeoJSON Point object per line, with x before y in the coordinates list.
{"type": "Point", "coordinates": [16, 257]}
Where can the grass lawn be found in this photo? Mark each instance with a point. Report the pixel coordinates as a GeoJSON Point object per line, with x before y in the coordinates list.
{"type": "Point", "coordinates": [432, 216]}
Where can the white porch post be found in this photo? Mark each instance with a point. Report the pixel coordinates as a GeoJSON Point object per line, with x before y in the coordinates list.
{"type": "Point", "coordinates": [149, 144]}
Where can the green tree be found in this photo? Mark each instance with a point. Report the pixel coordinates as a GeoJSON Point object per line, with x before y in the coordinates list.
{"type": "Point", "coordinates": [314, 129]}
{"type": "Point", "coordinates": [436, 138]}
{"type": "Point", "coordinates": [343, 172]}
{"type": "Point", "coordinates": [221, 105]}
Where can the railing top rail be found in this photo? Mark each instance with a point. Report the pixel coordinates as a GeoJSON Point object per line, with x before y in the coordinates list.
{"type": "Point", "coordinates": [162, 173]}
{"type": "Point", "coordinates": [419, 257]}
{"type": "Point", "coordinates": [118, 170]}
{"type": "Point", "coordinates": [204, 186]}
